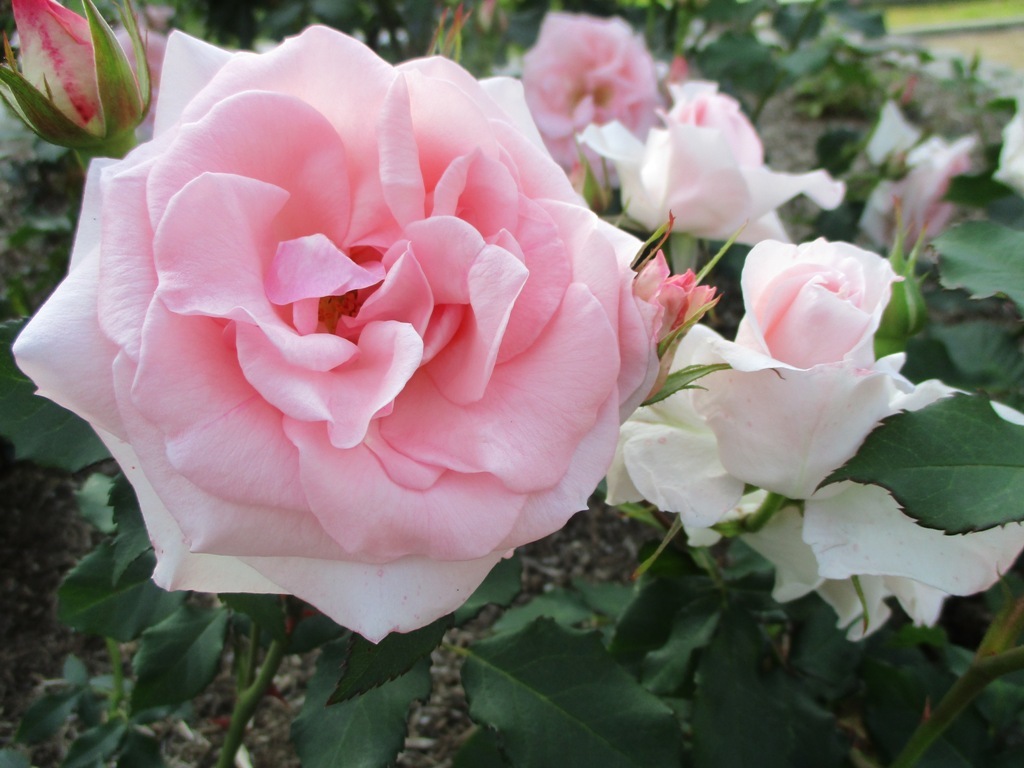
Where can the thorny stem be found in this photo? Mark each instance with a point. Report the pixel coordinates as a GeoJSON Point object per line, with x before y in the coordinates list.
{"type": "Point", "coordinates": [996, 657]}
{"type": "Point", "coordinates": [247, 701]}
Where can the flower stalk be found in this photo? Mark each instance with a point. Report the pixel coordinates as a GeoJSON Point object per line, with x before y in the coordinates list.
{"type": "Point", "coordinates": [997, 655]}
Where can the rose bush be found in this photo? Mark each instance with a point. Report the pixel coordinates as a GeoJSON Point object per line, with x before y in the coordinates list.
{"type": "Point", "coordinates": [351, 342]}
{"type": "Point", "coordinates": [584, 70]}
{"type": "Point", "coordinates": [705, 167]}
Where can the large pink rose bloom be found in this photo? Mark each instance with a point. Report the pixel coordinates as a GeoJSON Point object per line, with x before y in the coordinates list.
{"type": "Point", "coordinates": [585, 70]}
{"type": "Point", "coordinates": [349, 339]}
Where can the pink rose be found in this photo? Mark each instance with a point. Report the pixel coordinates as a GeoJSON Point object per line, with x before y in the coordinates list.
{"type": "Point", "coordinates": [584, 70]}
{"type": "Point", "coordinates": [352, 343]}
{"type": "Point", "coordinates": [706, 168]}
{"type": "Point", "coordinates": [805, 388]}
{"type": "Point", "coordinates": [930, 168]}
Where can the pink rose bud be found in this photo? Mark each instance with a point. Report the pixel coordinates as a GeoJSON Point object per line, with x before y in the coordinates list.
{"type": "Point", "coordinates": [684, 301]}
{"type": "Point", "coordinates": [679, 70]}
{"type": "Point", "coordinates": [76, 87]}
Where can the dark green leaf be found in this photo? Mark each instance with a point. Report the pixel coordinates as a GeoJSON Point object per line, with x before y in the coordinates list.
{"type": "Point", "coordinates": [666, 669]}
{"type": "Point", "coordinates": [367, 665]}
{"type": "Point", "coordinates": [557, 698]}
{"type": "Point", "coordinates": [132, 540]}
{"type": "Point", "coordinates": [40, 429]}
{"type": "Point", "coordinates": [746, 715]}
{"type": "Point", "coordinates": [566, 607]}
{"type": "Point", "coordinates": [313, 631]}
{"type": "Point", "coordinates": [480, 750]}
{"type": "Point", "coordinates": [93, 502]}
{"type": "Point", "coordinates": [983, 258]}
{"type": "Point", "coordinates": [265, 610]}
{"type": "Point", "coordinates": [501, 586]}
{"type": "Point", "coordinates": [979, 191]}
{"type": "Point", "coordinates": [366, 731]}
{"type": "Point", "coordinates": [820, 651]}
{"type": "Point", "coordinates": [140, 751]}
{"type": "Point", "coordinates": [955, 465]}
{"type": "Point", "coordinates": [178, 657]}
{"type": "Point", "coordinates": [91, 602]}
{"type": "Point", "coordinates": [94, 746]}
{"type": "Point", "coordinates": [46, 715]}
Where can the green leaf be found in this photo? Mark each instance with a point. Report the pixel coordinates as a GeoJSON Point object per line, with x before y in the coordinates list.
{"type": "Point", "coordinates": [367, 665]}
{"type": "Point", "coordinates": [91, 602]}
{"type": "Point", "coordinates": [501, 586]}
{"type": "Point", "coordinates": [313, 631]}
{"type": "Point", "coordinates": [683, 379]}
{"type": "Point", "coordinates": [976, 190]}
{"type": "Point", "coordinates": [747, 715]}
{"type": "Point", "coordinates": [132, 539]}
{"type": "Point", "coordinates": [955, 465]}
{"type": "Point", "coordinates": [46, 715]}
{"type": "Point", "coordinates": [140, 751]}
{"type": "Point", "coordinates": [667, 669]}
{"type": "Point", "coordinates": [40, 429]}
{"type": "Point", "coordinates": [983, 258]}
{"type": "Point", "coordinates": [557, 698]}
{"type": "Point", "coordinates": [480, 750]}
{"type": "Point", "coordinates": [563, 606]}
{"type": "Point", "coordinates": [265, 610]}
{"type": "Point", "coordinates": [93, 498]}
{"type": "Point", "coordinates": [94, 746]}
{"type": "Point", "coordinates": [366, 731]}
{"type": "Point", "coordinates": [178, 657]}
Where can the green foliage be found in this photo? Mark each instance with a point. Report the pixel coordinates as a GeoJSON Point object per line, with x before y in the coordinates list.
{"type": "Point", "coordinates": [365, 730]}
{"type": "Point", "coordinates": [178, 657]}
{"type": "Point", "coordinates": [40, 429]}
{"type": "Point", "coordinates": [984, 258]}
{"type": "Point", "coordinates": [955, 465]}
{"type": "Point", "coordinates": [368, 665]}
{"type": "Point", "coordinates": [556, 697]}
{"type": "Point", "coordinates": [92, 601]}
{"type": "Point", "coordinates": [749, 711]}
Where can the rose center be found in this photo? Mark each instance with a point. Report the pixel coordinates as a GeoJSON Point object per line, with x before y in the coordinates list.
{"type": "Point", "coordinates": [332, 308]}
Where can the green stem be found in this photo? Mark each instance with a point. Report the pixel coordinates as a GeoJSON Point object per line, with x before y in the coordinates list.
{"type": "Point", "coordinates": [248, 700]}
{"type": "Point", "coordinates": [247, 659]}
{"type": "Point", "coordinates": [117, 667]}
{"type": "Point", "coordinates": [994, 659]}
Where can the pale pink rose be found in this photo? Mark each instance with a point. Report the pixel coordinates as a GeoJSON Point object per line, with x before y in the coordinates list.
{"type": "Point", "coordinates": [667, 454]}
{"type": "Point", "coordinates": [892, 135]}
{"type": "Point", "coordinates": [585, 70]}
{"type": "Point", "coordinates": [706, 168]}
{"type": "Point", "coordinates": [930, 168]}
{"type": "Point", "coordinates": [805, 388]}
{"type": "Point", "coordinates": [353, 344]}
